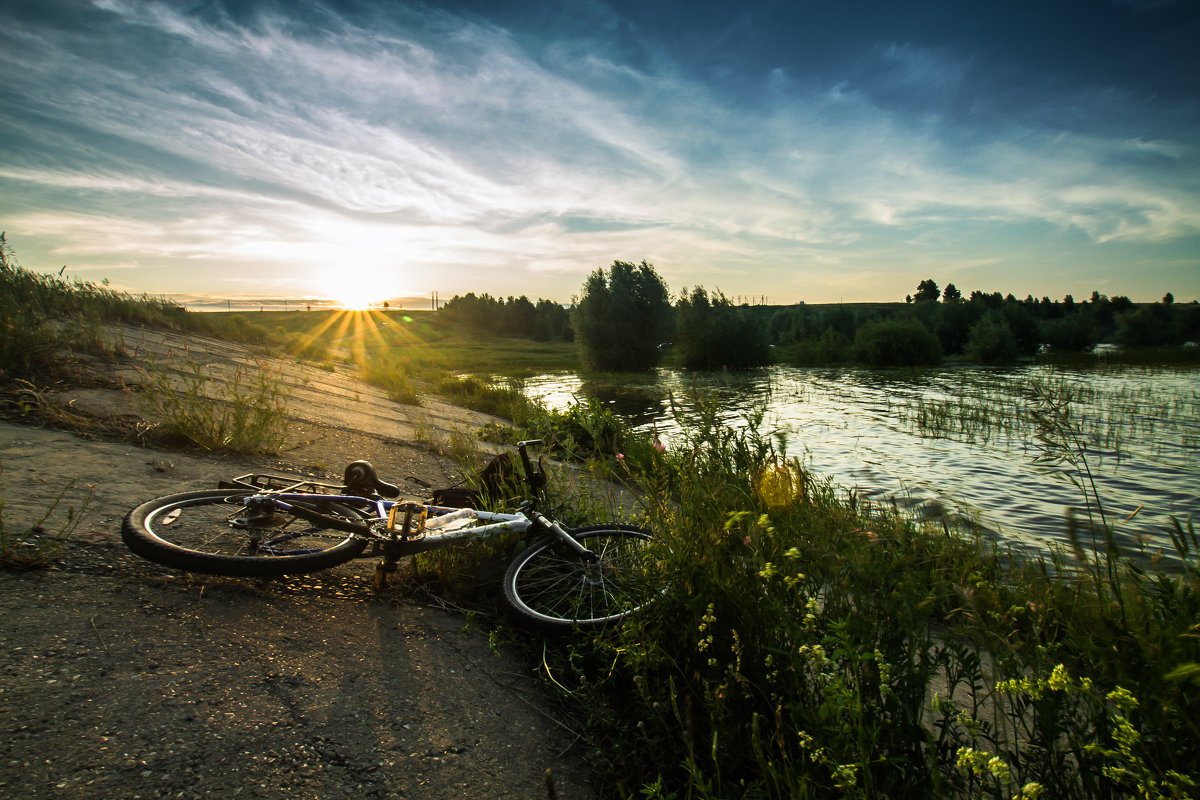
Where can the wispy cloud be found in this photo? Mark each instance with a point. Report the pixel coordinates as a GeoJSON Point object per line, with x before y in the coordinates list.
{"type": "Point", "coordinates": [430, 142]}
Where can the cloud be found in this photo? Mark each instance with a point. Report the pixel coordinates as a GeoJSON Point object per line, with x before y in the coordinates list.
{"type": "Point", "coordinates": [420, 140]}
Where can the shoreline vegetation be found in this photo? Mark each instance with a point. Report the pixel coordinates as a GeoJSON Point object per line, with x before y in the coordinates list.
{"type": "Point", "coordinates": [807, 644]}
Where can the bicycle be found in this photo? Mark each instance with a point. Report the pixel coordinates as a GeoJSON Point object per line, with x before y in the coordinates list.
{"type": "Point", "coordinates": [260, 525]}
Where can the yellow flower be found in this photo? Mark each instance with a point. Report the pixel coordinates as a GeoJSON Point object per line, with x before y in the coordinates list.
{"type": "Point", "coordinates": [1122, 699]}
{"type": "Point", "coordinates": [1059, 680]}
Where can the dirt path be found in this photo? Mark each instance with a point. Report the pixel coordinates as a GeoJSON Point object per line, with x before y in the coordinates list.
{"type": "Point", "coordinates": [122, 679]}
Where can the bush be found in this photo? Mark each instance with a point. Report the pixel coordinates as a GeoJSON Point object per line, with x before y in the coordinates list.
{"type": "Point", "coordinates": [896, 343]}
{"type": "Point", "coordinates": [991, 341]}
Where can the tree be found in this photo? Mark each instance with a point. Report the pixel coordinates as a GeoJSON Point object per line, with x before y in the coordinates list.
{"type": "Point", "coordinates": [1168, 298]}
{"type": "Point", "coordinates": [991, 340]}
{"type": "Point", "coordinates": [715, 333]}
{"type": "Point", "coordinates": [927, 290]}
{"type": "Point", "coordinates": [952, 294]}
{"type": "Point", "coordinates": [622, 317]}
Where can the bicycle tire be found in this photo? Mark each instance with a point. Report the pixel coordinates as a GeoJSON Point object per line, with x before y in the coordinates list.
{"type": "Point", "coordinates": [550, 588]}
{"type": "Point", "coordinates": [206, 538]}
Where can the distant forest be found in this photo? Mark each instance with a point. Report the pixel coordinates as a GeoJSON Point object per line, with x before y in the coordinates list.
{"type": "Point", "coordinates": [711, 332]}
{"type": "Point", "coordinates": [515, 316]}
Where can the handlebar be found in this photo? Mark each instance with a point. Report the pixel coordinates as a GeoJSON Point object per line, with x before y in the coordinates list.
{"type": "Point", "coordinates": [535, 478]}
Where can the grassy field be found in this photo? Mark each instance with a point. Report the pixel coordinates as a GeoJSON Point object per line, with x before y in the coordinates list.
{"type": "Point", "coordinates": [419, 339]}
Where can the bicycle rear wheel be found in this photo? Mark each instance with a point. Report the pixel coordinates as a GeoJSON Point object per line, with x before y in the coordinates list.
{"type": "Point", "coordinates": [551, 588]}
{"type": "Point", "coordinates": [215, 532]}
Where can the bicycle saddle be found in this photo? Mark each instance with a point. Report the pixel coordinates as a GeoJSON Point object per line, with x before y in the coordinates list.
{"type": "Point", "coordinates": [361, 478]}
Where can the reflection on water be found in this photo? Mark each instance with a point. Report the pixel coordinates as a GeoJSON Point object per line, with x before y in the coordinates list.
{"type": "Point", "coordinates": [959, 439]}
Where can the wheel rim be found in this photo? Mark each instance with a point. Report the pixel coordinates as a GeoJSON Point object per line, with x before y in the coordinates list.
{"type": "Point", "coordinates": [555, 585]}
{"type": "Point", "coordinates": [224, 526]}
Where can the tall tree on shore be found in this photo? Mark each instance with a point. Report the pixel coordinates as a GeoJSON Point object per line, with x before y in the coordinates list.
{"type": "Point", "coordinates": [927, 290]}
{"type": "Point", "coordinates": [622, 317]}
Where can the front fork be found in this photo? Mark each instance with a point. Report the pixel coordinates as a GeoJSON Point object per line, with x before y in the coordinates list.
{"type": "Point", "coordinates": [570, 541]}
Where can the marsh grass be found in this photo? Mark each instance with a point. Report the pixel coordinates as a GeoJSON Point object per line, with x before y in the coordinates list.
{"type": "Point", "coordinates": [242, 409]}
{"type": "Point", "coordinates": [1107, 416]}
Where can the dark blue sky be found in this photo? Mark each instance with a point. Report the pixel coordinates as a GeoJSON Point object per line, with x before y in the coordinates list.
{"type": "Point", "coordinates": [800, 151]}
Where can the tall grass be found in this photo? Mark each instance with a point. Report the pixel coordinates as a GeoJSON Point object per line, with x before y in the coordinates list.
{"type": "Point", "coordinates": [242, 410]}
{"type": "Point", "coordinates": [45, 319]}
{"type": "Point", "coordinates": [811, 645]}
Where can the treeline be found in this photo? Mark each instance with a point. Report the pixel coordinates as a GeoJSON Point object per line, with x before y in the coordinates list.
{"type": "Point", "coordinates": [984, 327]}
{"type": "Point", "coordinates": [625, 320]}
{"type": "Point", "coordinates": [516, 316]}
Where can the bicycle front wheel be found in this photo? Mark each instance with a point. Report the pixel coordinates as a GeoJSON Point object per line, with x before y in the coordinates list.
{"type": "Point", "coordinates": [551, 588]}
{"type": "Point", "coordinates": [215, 532]}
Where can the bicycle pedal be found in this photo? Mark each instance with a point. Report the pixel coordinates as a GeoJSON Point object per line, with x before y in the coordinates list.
{"type": "Point", "coordinates": [411, 523]}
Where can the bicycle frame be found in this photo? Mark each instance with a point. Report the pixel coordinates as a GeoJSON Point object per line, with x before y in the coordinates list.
{"type": "Point", "coordinates": [395, 543]}
{"type": "Point", "coordinates": [416, 541]}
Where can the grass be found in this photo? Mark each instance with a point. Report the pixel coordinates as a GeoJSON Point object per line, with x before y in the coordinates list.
{"type": "Point", "coordinates": [241, 411]}
{"type": "Point", "coordinates": [34, 546]}
{"type": "Point", "coordinates": [810, 645]}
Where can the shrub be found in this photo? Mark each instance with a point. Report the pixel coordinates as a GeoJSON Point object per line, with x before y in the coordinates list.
{"type": "Point", "coordinates": [991, 340]}
{"type": "Point", "coordinates": [897, 342]}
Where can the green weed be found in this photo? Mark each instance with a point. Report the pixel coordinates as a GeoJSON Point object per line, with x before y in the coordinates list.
{"type": "Point", "coordinates": [809, 645]}
{"type": "Point", "coordinates": [241, 409]}
{"type": "Point", "coordinates": [34, 546]}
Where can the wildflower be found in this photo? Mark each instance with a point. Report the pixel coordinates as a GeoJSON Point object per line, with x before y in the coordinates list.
{"type": "Point", "coordinates": [1122, 699]}
{"type": "Point", "coordinates": [793, 552]}
{"type": "Point", "coordinates": [815, 652]}
{"type": "Point", "coordinates": [1030, 791]}
{"type": "Point", "coordinates": [620, 456]}
{"type": "Point", "coordinates": [767, 571]}
{"type": "Point", "coordinates": [998, 768]}
{"type": "Point", "coordinates": [1059, 680]}
{"type": "Point", "coordinates": [971, 759]}
{"type": "Point", "coordinates": [846, 775]}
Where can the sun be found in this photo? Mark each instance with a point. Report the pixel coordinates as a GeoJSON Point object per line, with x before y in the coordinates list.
{"type": "Point", "coordinates": [357, 298]}
{"type": "Point", "coordinates": [356, 289]}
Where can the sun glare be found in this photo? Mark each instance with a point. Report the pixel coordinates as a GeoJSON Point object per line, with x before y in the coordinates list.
{"type": "Point", "coordinates": [355, 290]}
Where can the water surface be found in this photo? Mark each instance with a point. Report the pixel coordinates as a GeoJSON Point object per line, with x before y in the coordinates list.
{"type": "Point", "coordinates": [958, 441]}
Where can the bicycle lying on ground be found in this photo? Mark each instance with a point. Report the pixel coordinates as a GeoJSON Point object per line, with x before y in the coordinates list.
{"type": "Point", "coordinates": [268, 525]}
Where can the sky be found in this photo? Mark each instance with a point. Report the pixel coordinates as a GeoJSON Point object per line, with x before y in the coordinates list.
{"type": "Point", "coordinates": [774, 151]}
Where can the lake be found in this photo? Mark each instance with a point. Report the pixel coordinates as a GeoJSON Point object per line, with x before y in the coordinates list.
{"type": "Point", "coordinates": [956, 441]}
